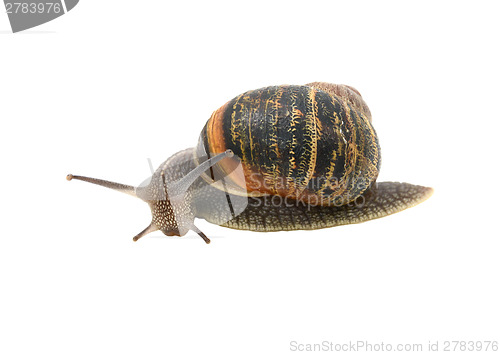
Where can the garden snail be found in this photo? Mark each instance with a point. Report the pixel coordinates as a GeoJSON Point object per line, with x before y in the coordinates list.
{"type": "Point", "coordinates": [284, 157]}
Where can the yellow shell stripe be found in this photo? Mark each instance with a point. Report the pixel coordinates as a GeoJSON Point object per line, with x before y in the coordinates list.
{"type": "Point", "coordinates": [272, 175]}
{"type": "Point", "coordinates": [368, 155]}
{"type": "Point", "coordinates": [308, 162]}
{"type": "Point", "coordinates": [329, 178]}
{"type": "Point", "coordinates": [346, 148]}
{"type": "Point", "coordinates": [251, 113]}
{"type": "Point", "coordinates": [351, 150]}
{"type": "Point", "coordinates": [296, 115]}
{"type": "Point", "coordinates": [371, 166]}
{"type": "Point", "coordinates": [359, 167]}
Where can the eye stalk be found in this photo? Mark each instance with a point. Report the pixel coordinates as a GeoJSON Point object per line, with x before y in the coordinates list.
{"type": "Point", "coordinates": [167, 200]}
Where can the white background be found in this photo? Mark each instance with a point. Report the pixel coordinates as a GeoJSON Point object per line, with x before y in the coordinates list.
{"type": "Point", "coordinates": [112, 83]}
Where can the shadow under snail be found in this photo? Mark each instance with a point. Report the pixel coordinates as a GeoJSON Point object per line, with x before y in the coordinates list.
{"type": "Point", "coordinates": [278, 158]}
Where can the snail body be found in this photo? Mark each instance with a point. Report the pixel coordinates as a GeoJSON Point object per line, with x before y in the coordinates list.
{"type": "Point", "coordinates": [284, 157]}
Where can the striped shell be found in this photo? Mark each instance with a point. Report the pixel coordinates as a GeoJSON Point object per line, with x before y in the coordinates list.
{"type": "Point", "coordinates": [314, 143]}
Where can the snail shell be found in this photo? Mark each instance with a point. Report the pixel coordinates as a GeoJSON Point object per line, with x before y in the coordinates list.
{"type": "Point", "coordinates": [311, 143]}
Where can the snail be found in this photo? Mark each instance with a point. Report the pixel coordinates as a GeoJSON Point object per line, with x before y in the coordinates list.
{"type": "Point", "coordinates": [288, 157]}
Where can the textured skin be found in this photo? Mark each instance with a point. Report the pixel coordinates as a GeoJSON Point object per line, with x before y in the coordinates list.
{"type": "Point", "coordinates": [382, 199]}
{"type": "Point", "coordinates": [170, 214]}
{"type": "Point", "coordinates": [271, 214]}
{"type": "Point", "coordinates": [300, 142]}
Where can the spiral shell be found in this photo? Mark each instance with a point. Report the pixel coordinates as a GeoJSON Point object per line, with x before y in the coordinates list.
{"type": "Point", "coordinates": [313, 143]}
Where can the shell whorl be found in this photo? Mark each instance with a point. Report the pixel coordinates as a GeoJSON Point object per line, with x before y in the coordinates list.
{"type": "Point", "coordinates": [313, 143]}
